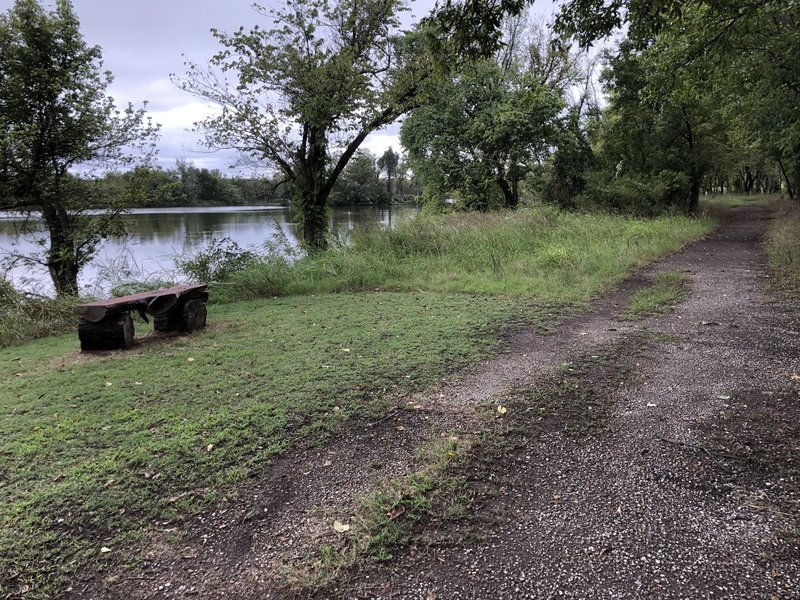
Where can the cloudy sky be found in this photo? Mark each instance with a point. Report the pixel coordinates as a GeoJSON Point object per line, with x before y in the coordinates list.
{"type": "Point", "coordinates": [144, 41]}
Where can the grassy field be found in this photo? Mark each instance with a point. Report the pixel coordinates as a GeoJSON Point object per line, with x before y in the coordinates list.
{"type": "Point", "coordinates": [95, 449]}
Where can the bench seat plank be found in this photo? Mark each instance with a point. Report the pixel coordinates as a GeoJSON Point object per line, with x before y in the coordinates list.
{"type": "Point", "coordinates": [155, 302]}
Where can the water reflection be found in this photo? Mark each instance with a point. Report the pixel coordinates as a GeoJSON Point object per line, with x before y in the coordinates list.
{"type": "Point", "coordinates": [156, 236]}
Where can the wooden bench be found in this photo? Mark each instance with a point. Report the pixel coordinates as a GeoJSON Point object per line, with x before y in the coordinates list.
{"type": "Point", "coordinates": [107, 324]}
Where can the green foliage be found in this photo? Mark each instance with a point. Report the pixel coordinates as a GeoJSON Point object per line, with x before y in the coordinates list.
{"type": "Point", "coordinates": [717, 92]}
{"type": "Point", "coordinates": [783, 247]}
{"type": "Point", "coordinates": [336, 69]}
{"type": "Point", "coordinates": [389, 161]}
{"type": "Point", "coordinates": [55, 116]}
{"type": "Point", "coordinates": [478, 132]}
{"type": "Point", "coordinates": [217, 262]}
{"type": "Point", "coordinates": [563, 177]}
{"type": "Point", "coordinates": [23, 318]}
{"type": "Point", "coordinates": [635, 194]}
{"type": "Point", "coordinates": [359, 182]}
{"type": "Point", "coordinates": [543, 253]}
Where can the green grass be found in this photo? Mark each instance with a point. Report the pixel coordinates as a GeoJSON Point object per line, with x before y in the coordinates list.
{"type": "Point", "coordinates": [552, 256]}
{"type": "Point", "coordinates": [783, 247]}
{"type": "Point", "coordinates": [660, 297]}
{"type": "Point", "coordinates": [96, 449]}
{"type": "Point", "coordinates": [92, 447]}
{"type": "Point", "coordinates": [734, 200]}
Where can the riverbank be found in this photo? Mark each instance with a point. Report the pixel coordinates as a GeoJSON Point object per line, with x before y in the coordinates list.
{"type": "Point", "coordinates": [104, 454]}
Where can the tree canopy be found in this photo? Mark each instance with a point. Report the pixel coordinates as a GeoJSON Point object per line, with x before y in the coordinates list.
{"type": "Point", "coordinates": [312, 86]}
{"type": "Point", "coordinates": [55, 117]}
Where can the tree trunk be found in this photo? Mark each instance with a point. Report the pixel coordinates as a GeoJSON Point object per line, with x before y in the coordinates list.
{"type": "Point", "coordinates": [62, 260]}
{"type": "Point", "coordinates": [510, 200]}
{"type": "Point", "coordinates": [694, 196]}
{"type": "Point", "coordinates": [312, 193]}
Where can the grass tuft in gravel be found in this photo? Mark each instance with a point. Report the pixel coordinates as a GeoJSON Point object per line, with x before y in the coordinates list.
{"type": "Point", "coordinates": [666, 291]}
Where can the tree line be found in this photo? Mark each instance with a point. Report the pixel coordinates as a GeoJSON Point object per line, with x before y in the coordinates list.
{"type": "Point", "coordinates": [366, 180]}
{"type": "Point", "coordinates": [697, 97]}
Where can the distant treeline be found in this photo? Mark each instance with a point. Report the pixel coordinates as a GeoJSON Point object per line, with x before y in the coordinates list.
{"type": "Point", "coordinates": [361, 183]}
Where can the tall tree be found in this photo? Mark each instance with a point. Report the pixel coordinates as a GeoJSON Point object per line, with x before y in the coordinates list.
{"type": "Point", "coordinates": [388, 162]}
{"type": "Point", "coordinates": [479, 133]}
{"type": "Point", "coordinates": [55, 117]}
{"type": "Point", "coordinates": [323, 77]}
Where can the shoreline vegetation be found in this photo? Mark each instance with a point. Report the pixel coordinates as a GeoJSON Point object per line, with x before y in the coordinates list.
{"type": "Point", "coordinates": [95, 449]}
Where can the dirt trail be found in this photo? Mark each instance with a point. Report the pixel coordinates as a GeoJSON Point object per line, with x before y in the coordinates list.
{"type": "Point", "coordinates": [691, 491]}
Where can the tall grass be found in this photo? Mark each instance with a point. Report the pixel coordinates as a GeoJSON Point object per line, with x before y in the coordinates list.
{"type": "Point", "coordinates": [24, 318]}
{"type": "Point", "coordinates": [783, 246]}
{"type": "Point", "coordinates": [540, 252]}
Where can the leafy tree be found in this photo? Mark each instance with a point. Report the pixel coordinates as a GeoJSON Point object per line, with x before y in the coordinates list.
{"type": "Point", "coordinates": [55, 117]}
{"type": "Point", "coordinates": [747, 51]}
{"type": "Point", "coordinates": [388, 162]}
{"type": "Point", "coordinates": [479, 132]}
{"type": "Point", "coordinates": [323, 77]}
{"type": "Point", "coordinates": [359, 182]}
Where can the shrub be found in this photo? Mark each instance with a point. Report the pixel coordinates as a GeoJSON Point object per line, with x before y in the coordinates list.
{"type": "Point", "coordinates": [217, 262]}
{"type": "Point", "coordinates": [643, 196]}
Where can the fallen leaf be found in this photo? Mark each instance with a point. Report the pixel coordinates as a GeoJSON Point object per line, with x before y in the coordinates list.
{"type": "Point", "coordinates": [795, 377]}
{"type": "Point", "coordinates": [431, 596]}
{"type": "Point", "coordinates": [345, 349]}
{"type": "Point", "coordinates": [396, 512]}
{"type": "Point", "coordinates": [619, 509]}
{"type": "Point", "coordinates": [723, 397]}
{"type": "Point", "coordinates": [137, 383]}
{"type": "Point", "coordinates": [400, 428]}
{"type": "Point", "coordinates": [209, 448]}
{"type": "Point", "coordinates": [651, 405]}
{"type": "Point", "coordinates": [110, 483]}
{"type": "Point", "coordinates": [105, 550]}
{"type": "Point", "coordinates": [501, 409]}
{"type": "Point", "coordinates": [327, 463]}
{"type": "Point", "coordinates": [341, 527]}
{"type": "Point", "coordinates": [109, 384]}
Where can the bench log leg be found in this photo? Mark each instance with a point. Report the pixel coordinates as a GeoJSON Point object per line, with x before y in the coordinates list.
{"type": "Point", "coordinates": [112, 333]}
{"type": "Point", "coordinates": [186, 317]}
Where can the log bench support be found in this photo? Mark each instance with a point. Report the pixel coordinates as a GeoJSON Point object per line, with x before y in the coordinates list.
{"type": "Point", "coordinates": [107, 324]}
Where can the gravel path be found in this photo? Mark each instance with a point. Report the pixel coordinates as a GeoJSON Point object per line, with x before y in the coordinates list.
{"type": "Point", "coordinates": [690, 491]}
{"type": "Point", "coordinates": [658, 506]}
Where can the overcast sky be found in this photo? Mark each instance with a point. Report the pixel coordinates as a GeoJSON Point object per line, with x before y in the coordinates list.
{"type": "Point", "coordinates": [144, 41]}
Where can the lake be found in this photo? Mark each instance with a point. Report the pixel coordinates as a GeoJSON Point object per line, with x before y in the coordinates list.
{"type": "Point", "coordinates": [157, 236]}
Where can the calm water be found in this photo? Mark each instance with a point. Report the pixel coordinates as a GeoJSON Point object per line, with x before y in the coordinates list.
{"type": "Point", "coordinates": [157, 236]}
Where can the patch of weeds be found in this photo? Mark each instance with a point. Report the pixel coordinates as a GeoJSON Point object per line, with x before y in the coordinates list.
{"type": "Point", "coordinates": [782, 241]}
{"type": "Point", "coordinates": [390, 518]}
{"type": "Point", "coordinates": [667, 290]}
